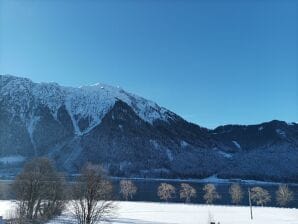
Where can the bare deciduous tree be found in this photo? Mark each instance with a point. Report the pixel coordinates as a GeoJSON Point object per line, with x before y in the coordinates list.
{"type": "Point", "coordinates": [210, 193]}
{"type": "Point", "coordinates": [260, 196]}
{"type": "Point", "coordinates": [284, 195]}
{"type": "Point", "coordinates": [92, 196]}
{"type": "Point", "coordinates": [127, 189]}
{"type": "Point", "coordinates": [236, 193]}
{"type": "Point", "coordinates": [166, 191]}
{"type": "Point", "coordinates": [39, 192]}
{"type": "Point", "coordinates": [187, 192]}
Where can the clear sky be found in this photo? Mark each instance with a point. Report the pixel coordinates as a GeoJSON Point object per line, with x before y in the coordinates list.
{"type": "Point", "coordinates": [212, 62]}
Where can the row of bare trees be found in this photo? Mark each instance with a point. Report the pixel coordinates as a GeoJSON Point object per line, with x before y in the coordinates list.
{"type": "Point", "coordinates": [166, 192]}
{"type": "Point", "coordinates": [42, 193]}
{"type": "Point", "coordinates": [259, 196]}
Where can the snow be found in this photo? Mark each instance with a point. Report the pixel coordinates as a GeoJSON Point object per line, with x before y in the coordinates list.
{"type": "Point", "coordinates": [237, 144]}
{"type": "Point", "coordinates": [212, 179]}
{"type": "Point", "coordinates": [169, 154]}
{"type": "Point", "coordinates": [174, 213]}
{"type": "Point", "coordinates": [281, 133]}
{"type": "Point", "coordinates": [49, 94]}
{"type": "Point", "coordinates": [184, 144]}
{"type": "Point", "coordinates": [225, 154]}
{"type": "Point", "coordinates": [162, 213]}
{"type": "Point", "coordinates": [97, 100]}
{"type": "Point", "coordinates": [12, 159]}
{"type": "Point", "coordinates": [291, 123]}
{"type": "Point", "coordinates": [154, 143]}
{"type": "Point", "coordinates": [90, 103]}
{"type": "Point", "coordinates": [259, 182]}
{"type": "Point", "coordinates": [31, 126]}
{"type": "Point", "coordinates": [5, 207]}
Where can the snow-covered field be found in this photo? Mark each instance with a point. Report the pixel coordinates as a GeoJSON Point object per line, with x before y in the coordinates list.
{"type": "Point", "coordinates": [163, 213]}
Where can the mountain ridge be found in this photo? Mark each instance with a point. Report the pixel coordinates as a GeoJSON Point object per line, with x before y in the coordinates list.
{"type": "Point", "coordinates": [105, 86]}
{"type": "Point", "coordinates": [132, 136]}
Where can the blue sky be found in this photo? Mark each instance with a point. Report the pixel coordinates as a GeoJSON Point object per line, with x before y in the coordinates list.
{"type": "Point", "coordinates": [212, 62]}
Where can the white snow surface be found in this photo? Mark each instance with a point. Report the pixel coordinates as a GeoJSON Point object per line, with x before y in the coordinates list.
{"type": "Point", "coordinates": [174, 213]}
{"type": "Point", "coordinates": [87, 102]}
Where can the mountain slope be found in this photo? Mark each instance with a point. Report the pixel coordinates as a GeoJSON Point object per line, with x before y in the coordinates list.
{"type": "Point", "coordinates": [132, 136]}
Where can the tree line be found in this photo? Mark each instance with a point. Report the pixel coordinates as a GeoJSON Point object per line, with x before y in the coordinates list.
{"type": "Point", "coordinates": [187, 193]}
{"type": "Point", "coordinates": [42, 193]}
{"type": "Point", "coordinates": [259, 195]}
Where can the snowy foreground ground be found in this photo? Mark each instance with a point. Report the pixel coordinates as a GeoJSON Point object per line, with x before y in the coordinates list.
{"type": "Point", "coordinates": [162, 213]}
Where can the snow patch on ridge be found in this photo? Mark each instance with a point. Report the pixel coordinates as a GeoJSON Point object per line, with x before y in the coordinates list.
{"type": "Point", "coordinates": [31, 126]}
{"type": "Point", "coordinates": [85, 103]}
{"type": "Point", "coordinates": [154, 143]}
{"type": "Point", "coordinates": [291, 123]}
{"type": "Point", "coordinates": [237, 144]}
{"type": "Point", "coordinates": [170, 155]}
{"type": "Point", "coordinates": [281, 133]}
{"type": "Point", "coordinates": [225, 154]}
{"type": "Point", "coordinates": [183, 144]}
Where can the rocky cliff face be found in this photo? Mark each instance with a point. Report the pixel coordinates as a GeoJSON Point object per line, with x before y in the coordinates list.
{"type": "Point", "coordinates": [132, 136]}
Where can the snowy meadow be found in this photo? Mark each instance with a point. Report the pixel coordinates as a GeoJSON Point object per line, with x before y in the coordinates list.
{"type": "Point", "coordinates": [174, 213]}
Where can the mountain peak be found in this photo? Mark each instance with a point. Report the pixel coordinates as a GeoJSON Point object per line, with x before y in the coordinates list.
{"type": "Point", "coordinates": [87, 102]}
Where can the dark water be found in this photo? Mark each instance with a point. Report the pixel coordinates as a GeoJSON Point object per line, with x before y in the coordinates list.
{"type": "Point", "coordinates": [147, 191]}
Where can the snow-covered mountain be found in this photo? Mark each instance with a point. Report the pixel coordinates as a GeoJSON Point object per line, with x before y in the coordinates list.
{"type": "Point", "coordinates": [132, 136]}
{"type": "Point", "coordinates": [84, 104]}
